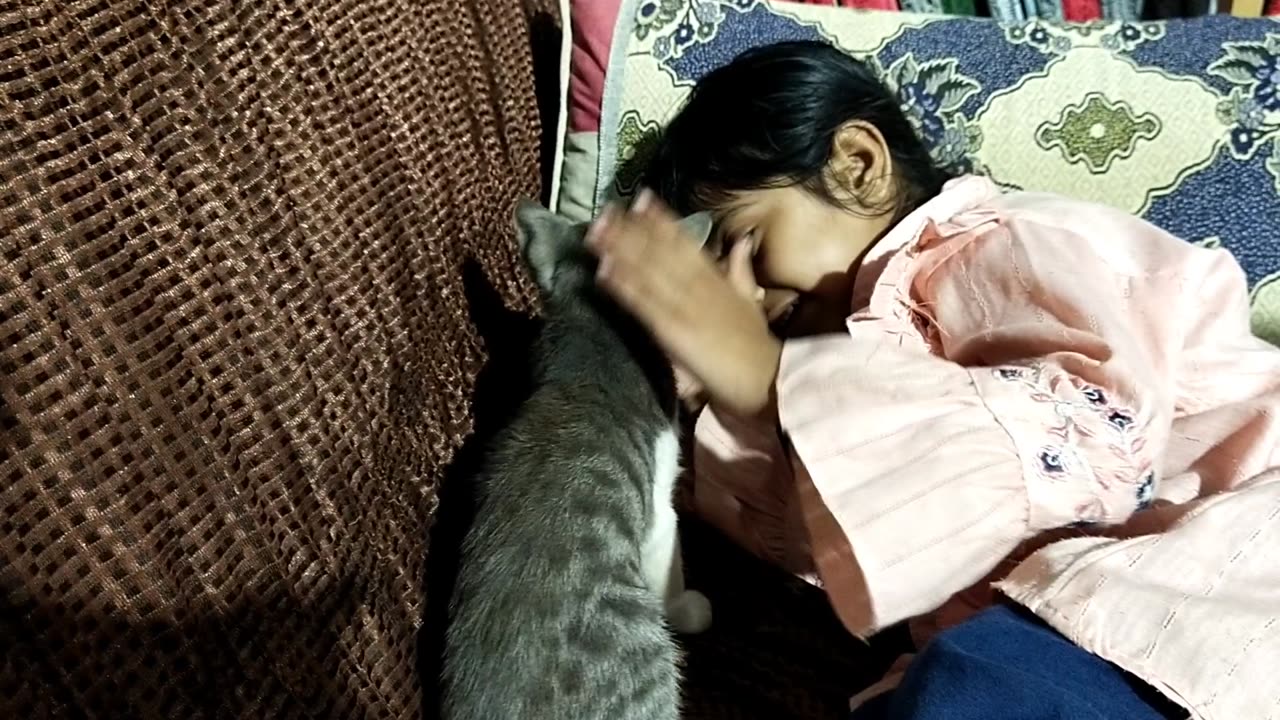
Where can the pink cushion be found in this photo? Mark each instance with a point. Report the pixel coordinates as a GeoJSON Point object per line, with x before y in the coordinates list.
{"type": "Point", "coordinates": [593, 22]}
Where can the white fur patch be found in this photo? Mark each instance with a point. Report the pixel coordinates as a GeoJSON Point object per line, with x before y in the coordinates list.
{"type": "Point", "coordinates": [688, 611]}
{"type": "Point", "coordinates": [658, 546]}
{"type": "Point", "coordinates": [666, 466]}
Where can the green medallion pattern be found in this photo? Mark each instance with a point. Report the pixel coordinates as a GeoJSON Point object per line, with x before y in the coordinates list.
{"type": "Point", "coordinates": [1097, 131]}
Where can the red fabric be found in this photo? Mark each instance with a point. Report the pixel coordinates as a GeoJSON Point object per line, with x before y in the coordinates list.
{"type": "Point", "coordinates": [1081, 10]}
{"type": "Point", "coordinates": [593, 24]}
{"type": "Point", "coordinates": [1272, 8]}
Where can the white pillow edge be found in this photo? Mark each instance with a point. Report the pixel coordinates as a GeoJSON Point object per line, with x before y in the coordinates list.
{"type": "Point", "coordinates": [562, 116]}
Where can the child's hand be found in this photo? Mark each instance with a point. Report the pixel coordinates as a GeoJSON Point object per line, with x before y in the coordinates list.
{"type": "Point", "coordinates": [710, 324]}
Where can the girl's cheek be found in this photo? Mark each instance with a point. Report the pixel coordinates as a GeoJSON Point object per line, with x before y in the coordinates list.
{"type": "Point", "coordinates": [780, 263]}
{"type": "Point", "coordinates": [771, 269]}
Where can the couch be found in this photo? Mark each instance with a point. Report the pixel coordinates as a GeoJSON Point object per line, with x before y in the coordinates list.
{"type": "Point", "coordinates": [260, 306]}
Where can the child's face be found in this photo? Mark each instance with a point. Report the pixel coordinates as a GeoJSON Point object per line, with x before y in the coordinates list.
{"type": "Point", "coordinates": [805, 244]}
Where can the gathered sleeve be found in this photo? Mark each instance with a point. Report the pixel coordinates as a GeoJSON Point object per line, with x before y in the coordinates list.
{"type": "Point", "coordinates": [922, 464]}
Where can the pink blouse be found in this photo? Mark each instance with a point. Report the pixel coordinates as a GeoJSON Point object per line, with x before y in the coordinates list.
{"type": "Point", "coordinates": [1047, 397]}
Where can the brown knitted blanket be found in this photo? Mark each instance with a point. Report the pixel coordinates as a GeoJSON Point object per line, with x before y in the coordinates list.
{"type": "Point", "coordinates": [244, 252]}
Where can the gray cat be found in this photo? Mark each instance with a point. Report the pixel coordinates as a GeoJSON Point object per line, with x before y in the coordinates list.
{"type": "Point", "coordinates": [570, 579]}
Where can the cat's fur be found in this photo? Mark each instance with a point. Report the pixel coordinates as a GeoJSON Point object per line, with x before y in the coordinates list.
{"type": "Point", "coordinates": [558, 611]}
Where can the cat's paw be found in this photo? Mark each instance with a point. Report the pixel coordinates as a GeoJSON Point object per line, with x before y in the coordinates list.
{"type": "Point", "coordinates": [689, 613]}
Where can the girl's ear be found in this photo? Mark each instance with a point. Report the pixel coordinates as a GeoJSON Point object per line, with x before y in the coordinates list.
{"type": "Point", "coordinates": [861, 164]}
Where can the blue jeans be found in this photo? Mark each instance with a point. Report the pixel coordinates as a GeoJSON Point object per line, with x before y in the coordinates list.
{"type": "Point", "coordinates": [1004, 664]}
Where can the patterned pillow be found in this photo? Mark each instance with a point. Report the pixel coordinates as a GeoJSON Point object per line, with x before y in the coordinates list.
{"type": "Point", "coordinates": [1178, 121]}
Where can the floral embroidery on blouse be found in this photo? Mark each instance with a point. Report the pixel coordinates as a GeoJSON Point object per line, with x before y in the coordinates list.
{"type": "Point", "coordinates": [1094, 395]}
{"type": "Point", "coordinates": [1009, 373]}
{"type": "Point", "coordinates": [1120, 419]}
{"type": "Point", "coordinates": [1051, 461]}
{"type": "Point", "coordinates": [1147, 491]}
{"type": "Point", "coordinates": [1085, 413]}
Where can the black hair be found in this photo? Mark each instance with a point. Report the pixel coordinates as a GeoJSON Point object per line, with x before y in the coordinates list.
{"type": "Point", "coordinates": [769, 118]}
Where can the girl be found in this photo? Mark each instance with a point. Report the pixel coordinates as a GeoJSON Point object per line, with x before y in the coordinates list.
{"type": "Point", "coordinates": [973, 387]}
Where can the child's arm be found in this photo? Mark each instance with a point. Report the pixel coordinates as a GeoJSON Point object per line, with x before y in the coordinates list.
{"type": "Point", "coordinates": [920, 468]}
{"type": "Point", "coordinates": [1042, 401]}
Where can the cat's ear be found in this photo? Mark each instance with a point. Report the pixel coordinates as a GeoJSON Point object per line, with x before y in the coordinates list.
{"type": "Point", "coordinates": [543, 237]}
{"type": "Point", "coordinates": [698, 226]}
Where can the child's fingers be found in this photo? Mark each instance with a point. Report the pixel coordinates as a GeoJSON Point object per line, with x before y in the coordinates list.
{"type": "Point", "coordinates": [618, 234]}
{"type": "Point", "coordinates": [647, 204]}
{"type": "Point", "coordinates": [648, 266]}
{"type": "Point", "coordinates": [634, 276]}
{"type": "Point", "coordinates": [646, 232]}
{"type": "Point", "coordinates": [602, 234]}
{"type": "Point", "coordinates": [656, 305]}
{"type": "Point", "coordinates": [634, 292]}
{"type": "Point", "coordinates": [741, 274]}
{"type": "Point", "coordinates": [649, 247]}
{"type": "Point", "coordinates": [650, 211]}
{"type": "Point", "coordinates": [621, 285]}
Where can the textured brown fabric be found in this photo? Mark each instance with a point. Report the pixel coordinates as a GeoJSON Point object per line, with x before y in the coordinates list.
{"type": "Point", "coordinates": [234, 350]}
{"type": "Point", "coordinates": [237, 355]}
